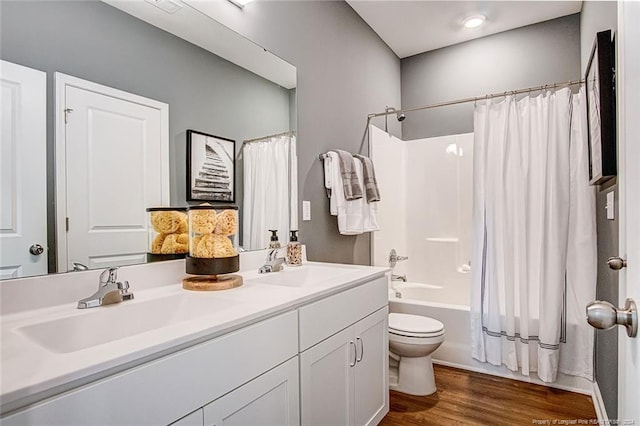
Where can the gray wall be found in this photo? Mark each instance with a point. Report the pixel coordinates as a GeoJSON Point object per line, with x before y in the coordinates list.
{"type": "Point", "coordinates": [96, 42]}
{"type": "Point", "coordinates": [599, 16]}
{"type": "Point", "coordinates": [344, 72]}
{"type": "Point", "coordinates": [538, 54]}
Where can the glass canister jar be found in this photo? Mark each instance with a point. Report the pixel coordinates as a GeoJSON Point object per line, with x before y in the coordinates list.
{"type": "Point", "coordinates": [212, 230]}
{"type": "Point", "coordinates": [168, 233]}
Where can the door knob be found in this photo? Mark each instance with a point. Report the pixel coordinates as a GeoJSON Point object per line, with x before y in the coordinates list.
{"type": "Point", "coordinates": [616, 263]}
{"type": "Point", "coordinates": [36, 249]}
{"type": "Point", "coordinates": [604, 315]}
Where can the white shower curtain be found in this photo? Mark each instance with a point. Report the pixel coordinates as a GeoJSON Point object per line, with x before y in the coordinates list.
{"type": "Point", "coordinates": [270, 190]}
{"type": "Point", "coordinates": [533, 253]}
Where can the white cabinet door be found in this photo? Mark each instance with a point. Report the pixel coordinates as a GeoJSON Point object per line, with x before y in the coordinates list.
{"type": "Point", "coordinates": [115, 166]}
{"type": "Point", "coordinates": [271, 399]}
{"type": "Point", "coordinates": [23, 168]}
{"type": "Point", "coordinates": [326, 381]}
{"type": "Point", "coordinates": [194, 419]}
{"type": "Point", "coordinates": [371, 371]}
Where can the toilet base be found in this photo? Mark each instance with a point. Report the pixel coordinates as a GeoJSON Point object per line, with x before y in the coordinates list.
{"type": "Point", "coordinates": [414, 376]}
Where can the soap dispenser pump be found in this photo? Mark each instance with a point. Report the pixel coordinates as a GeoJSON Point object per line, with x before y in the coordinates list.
{"type": "Point", "coordinates": [294, 250]}
{"type": "Point", "coordinates": [274, 243]}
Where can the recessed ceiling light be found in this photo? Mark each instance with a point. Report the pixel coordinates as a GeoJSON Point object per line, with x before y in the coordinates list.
{"type": "Point", "coordinates": [474, 21]}
{"type": "Point", "coordinates": [241, 3]}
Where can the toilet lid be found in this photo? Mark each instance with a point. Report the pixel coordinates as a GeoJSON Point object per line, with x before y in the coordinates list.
{"type": "Point", "coordinates": [414, 324]}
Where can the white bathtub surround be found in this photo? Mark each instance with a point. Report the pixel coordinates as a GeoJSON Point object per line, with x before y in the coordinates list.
{"type": "Point", "coordinates": [426, 210]}
{"type": "Point", "coordinates": [533, 255]}
{"type": "Point", "coordinates": [270, 190]}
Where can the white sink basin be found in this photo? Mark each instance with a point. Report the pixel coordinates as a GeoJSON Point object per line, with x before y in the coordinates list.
{"type": "Point", "coordinates": [301, 276]}
{"type": "Point", "coordinates": [96, 326]}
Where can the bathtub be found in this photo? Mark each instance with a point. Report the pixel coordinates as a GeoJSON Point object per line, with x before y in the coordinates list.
{"type": "Point", "coordinates": [453, 310]}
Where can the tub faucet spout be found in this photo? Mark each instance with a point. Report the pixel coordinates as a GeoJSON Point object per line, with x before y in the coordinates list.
{"type": "Point", "coordinates": [402, 278]}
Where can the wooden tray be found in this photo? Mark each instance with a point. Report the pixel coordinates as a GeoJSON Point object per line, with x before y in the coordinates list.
{"type": "Point", "coordinates": [212, 282]}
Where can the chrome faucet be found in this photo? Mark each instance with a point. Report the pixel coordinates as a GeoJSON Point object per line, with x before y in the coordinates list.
{"type": "Point", "coordinates": [275, 260]}
{"type": "Point", "coordinates": [402, 278]}
{"type": "Point", "coordinates": [109, 291]}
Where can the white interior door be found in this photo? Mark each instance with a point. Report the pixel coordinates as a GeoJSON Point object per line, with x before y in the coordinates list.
{"type": "Point", "coordinates": [629, 174]}
{"type": "Point", "coordinates": [23, 171]}
{"type": "Point", "coordinates": [116, 163]}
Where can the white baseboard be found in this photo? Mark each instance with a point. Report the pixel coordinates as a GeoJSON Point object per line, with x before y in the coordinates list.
{"type": "Point", "coordinates": [598, 404]}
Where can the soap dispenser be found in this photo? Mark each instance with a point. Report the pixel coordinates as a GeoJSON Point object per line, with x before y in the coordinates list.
{"type": "Point", "coordinates": [274, 243]}
{"type": "Point", "coordinates": [294, 250]}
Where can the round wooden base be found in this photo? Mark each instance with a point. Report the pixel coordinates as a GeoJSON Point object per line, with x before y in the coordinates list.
{"type": "Point", "coordinates": [212, 282]}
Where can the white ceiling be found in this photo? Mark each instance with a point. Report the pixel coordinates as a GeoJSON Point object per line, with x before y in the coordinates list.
{"type": "Point", "coordinates": [412, 27]}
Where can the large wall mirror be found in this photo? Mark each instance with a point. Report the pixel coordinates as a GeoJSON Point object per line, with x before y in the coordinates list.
{"type": "Point", "coordinates": [210, 79]}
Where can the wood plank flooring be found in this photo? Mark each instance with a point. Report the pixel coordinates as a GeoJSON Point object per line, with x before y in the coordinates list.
{"type": "Point", "coordinates": [468, 398]}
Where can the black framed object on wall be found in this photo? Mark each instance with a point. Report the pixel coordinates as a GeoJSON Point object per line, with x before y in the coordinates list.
{"type": "Point", "coordinates": [211, 167]}
{"type": "Point", "coordinates": [601, 109]}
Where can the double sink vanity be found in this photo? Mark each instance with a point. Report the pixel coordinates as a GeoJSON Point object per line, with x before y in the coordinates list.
{"type": "Point", "coordinates": [306, 345]}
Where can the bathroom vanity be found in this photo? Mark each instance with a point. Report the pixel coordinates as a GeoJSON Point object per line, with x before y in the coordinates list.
{"type": "Point", "coordinates": [307, 345]}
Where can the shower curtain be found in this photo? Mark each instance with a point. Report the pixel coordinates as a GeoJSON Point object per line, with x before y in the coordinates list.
{"type": "Point", "coordinates": [270, 190]}
{"type": "Point", "coordinates": [534, 253]}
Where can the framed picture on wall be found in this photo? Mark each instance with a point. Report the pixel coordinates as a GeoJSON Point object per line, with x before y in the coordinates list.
{"type": "Point", "coordinates": [211, 167]}
{"type": "Point", "coordinates": [601, 110]}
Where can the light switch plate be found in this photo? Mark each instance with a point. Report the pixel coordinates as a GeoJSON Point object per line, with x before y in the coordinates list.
{"type": "Point", "coordinates": [306, 210]}
{"type": "Point", "coordinates": [610, 206]}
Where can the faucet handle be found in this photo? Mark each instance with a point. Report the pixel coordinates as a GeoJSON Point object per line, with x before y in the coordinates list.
{"type": "Point", "coordinates": [108, 276]}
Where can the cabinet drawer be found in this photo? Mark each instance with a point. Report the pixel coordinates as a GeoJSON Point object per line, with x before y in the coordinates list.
{"type": "Point", "coordinates": [162, 391]}
{"type": "Point", "coordinates": [326, 317]}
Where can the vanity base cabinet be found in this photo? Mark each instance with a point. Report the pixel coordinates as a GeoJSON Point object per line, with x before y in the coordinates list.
{"type": "Point", "coordinates": [371, 384]}
{"type": "Point", "coordinates": [344, 379]}
{"type": "Point", "coordinates": [194, 419]}
{"type": "Point", "coordinates": [326, 381]}
{"type": "Point", "coordinates": [270, 399]}
{"type": "Point", "coordinates": [165, 390]}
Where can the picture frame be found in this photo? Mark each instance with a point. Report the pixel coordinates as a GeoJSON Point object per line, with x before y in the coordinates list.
{"type": "Point", "coordinates": [601, 110]}
{"type": "Point", "coordinates": [211, 167]}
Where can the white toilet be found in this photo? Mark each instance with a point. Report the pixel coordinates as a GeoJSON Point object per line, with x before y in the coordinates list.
{"type": "Point", "coordinates": [412, 340]}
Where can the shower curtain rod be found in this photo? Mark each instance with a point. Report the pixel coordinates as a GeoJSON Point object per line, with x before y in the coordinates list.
{"type": "Point", "coordinates": [479, 98]}
{"type": "Point", "coordinates": [289, 133]}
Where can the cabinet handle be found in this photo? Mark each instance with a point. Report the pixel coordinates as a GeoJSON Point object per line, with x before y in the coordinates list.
{"type": "Point", "coordinates": [355, 353]}
{"type": "Point", "coordinates": [361, 349]}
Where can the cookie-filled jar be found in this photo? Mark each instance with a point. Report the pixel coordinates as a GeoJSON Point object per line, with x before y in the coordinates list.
{"type": "Point", "coordinates": [212, 230]}
{"type": "Point", "coordinates": [168, 233]}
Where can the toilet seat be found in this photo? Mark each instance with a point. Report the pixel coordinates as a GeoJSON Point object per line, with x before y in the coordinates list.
{"type": "Point", "coordinates": [414, 326]}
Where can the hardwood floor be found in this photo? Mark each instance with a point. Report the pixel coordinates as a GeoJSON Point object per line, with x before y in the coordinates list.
{"type": "Point", "coordinates": [468, 398]}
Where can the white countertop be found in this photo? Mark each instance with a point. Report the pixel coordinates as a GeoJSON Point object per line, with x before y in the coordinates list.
{"type": "Point", "coordinates": [29, 372]}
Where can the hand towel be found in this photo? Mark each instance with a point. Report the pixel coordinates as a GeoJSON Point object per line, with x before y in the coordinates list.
{"type": "Point", "coordinates": [370, 183]}
{"type": "Point", "coordinates": [355, 216]}
{"type": "Point", "coordinates": [352, 188]}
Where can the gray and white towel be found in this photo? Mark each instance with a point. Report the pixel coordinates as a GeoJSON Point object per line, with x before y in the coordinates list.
{"type": "Point", "coordinates": [370, 183]}
{"type": "Point", "coordinates": [350, 183]}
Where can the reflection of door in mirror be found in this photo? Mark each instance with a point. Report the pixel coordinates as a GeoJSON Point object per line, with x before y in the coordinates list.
{"type": "Point", "coordinates": [115, 150]}
{"type": "Point", "coordinates": [23, 191]}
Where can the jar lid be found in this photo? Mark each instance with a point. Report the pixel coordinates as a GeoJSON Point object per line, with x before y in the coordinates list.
{"type": "Point", "coordinates": [166, 209]}
{"type": "Point", "coordinates": [213, 207]}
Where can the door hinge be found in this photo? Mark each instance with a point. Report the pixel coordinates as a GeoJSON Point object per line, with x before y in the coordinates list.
{"type": "Point", "coordinates": [66, 221]}
{"type": "Point", "coordinates": [67, 111]}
